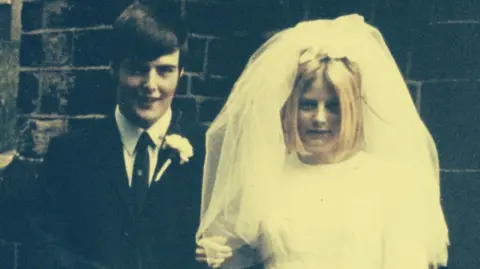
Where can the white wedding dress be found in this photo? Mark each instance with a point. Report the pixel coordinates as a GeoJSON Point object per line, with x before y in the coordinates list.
{"type": "Point", "coordinates": [349, 215]}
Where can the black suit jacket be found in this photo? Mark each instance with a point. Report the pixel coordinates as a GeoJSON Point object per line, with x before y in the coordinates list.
{"type": "Point", "coordinates": [84, 217]}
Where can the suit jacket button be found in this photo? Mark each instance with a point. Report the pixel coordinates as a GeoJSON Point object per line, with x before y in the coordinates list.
{"type": "Point", "coordinates": [126, 234]}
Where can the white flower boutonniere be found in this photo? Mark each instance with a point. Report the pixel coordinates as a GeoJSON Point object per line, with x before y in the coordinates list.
{"type": "Point", "coordinates": [181, 145]}
{"type": "Point", "coordinates": [181, 150]}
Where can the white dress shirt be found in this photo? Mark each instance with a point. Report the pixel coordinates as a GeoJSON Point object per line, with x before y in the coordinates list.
{"type": "Point", "coordinates": [130, 134]}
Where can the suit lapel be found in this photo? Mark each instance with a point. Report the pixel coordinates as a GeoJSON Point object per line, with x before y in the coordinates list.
{"type": "Point", "coordinates": [112, 163]}
{"type": "Point", "coordinates": [163, 155]}
{"type": "Point", "coordinates": [173, 128]}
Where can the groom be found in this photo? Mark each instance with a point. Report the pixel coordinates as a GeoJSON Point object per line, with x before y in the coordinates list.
{"type": "Point", "coordinates": [125, 193]}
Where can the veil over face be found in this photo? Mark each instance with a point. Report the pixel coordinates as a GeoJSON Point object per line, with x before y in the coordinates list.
{"type": "Point", "coordinates": [246, 145]}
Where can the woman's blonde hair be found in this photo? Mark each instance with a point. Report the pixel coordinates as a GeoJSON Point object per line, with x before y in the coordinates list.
{"type": "Point", "coordinates": [344, 77]}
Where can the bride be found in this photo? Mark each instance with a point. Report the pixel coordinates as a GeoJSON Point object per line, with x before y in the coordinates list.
{"type": "Point", "coordinates": [319, 160]}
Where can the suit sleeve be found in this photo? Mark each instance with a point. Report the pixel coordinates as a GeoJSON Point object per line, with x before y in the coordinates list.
{"type": "Point", "coordinates": [48, 214]}
{"type": "Point", "coordinates": [197, 137]}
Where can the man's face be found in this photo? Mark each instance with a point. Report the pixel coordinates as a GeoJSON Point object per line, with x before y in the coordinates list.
{"type": "Point", "coordinates": [146, 89]}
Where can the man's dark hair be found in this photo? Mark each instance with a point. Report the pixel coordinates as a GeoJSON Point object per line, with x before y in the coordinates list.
{"type": "Point", "coordinates": [144, 33]}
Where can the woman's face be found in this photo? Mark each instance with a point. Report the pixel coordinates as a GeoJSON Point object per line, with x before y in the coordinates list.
{"type": "Point", "coordinates": [319, 118]}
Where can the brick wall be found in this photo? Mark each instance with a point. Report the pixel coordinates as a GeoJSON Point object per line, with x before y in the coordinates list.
{"type": "Point", "coordinates": [445, 61]}
{"type": "Point", "coordinates": [65, 85]}
{"type": "Point", "coordinates": [9, 52]}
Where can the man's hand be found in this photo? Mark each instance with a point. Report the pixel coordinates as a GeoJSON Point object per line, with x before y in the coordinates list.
{"type": "Point", "coordinates": [213, 251]}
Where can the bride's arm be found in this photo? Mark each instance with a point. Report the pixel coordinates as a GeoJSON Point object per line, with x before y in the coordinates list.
{"type": "Point", "coordinates": [403, 243]}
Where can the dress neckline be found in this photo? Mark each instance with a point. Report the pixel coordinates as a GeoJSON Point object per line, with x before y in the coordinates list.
{"type": "Point", "coordinates": [294, 163]}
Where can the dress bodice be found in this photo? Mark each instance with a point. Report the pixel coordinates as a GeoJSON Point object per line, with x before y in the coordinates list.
{"type": "Point", "coordinates": [327, 216]}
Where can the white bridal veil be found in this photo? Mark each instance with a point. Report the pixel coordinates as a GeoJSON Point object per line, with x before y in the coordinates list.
{"type": "Point", "coordinates": [245, 144]}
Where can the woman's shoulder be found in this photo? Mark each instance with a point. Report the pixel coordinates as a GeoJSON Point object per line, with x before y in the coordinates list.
{"type": "Point", "coordinates": [381, 164]}
{"type": "Point", "coordinates": [374, 164]}
{"type": "Point", "coordinates": [388, 172]}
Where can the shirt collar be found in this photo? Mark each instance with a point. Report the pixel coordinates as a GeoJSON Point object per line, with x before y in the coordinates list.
{"type": "Point", "coordinates": [130, 133]}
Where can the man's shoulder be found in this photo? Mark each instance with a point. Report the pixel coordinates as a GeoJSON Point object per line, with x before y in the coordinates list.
{"type": "Point", "coordinates": [190, 128]}
{"type": "Point", "coordinates": [194, 128]}
{"type": "Point", "coordinates": [90, 133]}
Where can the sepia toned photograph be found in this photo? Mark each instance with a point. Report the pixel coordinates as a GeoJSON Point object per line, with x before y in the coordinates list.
{"type": "Point", "coordinates": [239, 134]}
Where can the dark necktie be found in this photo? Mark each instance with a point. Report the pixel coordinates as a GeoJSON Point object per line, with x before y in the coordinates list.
{"type": "Point", "coordinates": [141, 171]}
